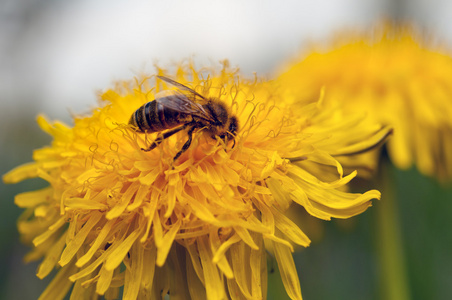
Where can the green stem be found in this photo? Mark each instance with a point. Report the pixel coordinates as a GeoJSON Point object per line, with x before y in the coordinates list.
{"type": "Point", "coordinates": [392, 269]}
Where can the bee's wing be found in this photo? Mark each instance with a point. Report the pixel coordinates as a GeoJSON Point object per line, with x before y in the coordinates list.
{"type": "Point", "coordinates": [181, 87]}
{"type": "Point", "coordinates": [182, 104]}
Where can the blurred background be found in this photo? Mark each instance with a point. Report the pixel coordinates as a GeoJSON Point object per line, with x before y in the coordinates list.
{"type": "Point", "coordinates": [55, 57]}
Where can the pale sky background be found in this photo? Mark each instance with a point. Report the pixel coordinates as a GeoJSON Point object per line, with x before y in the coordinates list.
{"type": "Point", "coordinates": [56, 55]}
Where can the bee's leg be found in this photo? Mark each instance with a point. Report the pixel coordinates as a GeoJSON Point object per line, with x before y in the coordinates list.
{"type": "Point", "coordinates": [187, 143]}
{"type": "Point", "coordinates": [233, 145]}
{"type": "Point", "coordinates": [166, 135]}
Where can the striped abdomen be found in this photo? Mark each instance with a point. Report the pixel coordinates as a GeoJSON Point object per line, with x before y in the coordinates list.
{"type": "Point", "coordinates": [154, 117]}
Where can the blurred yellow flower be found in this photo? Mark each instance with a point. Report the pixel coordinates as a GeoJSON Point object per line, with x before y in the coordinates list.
{"type": "Point", "coordinates": [115, 215]}
{"type": "Point", "coordinates": [396, 78]}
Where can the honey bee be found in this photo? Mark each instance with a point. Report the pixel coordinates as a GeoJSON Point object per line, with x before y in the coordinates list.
{"type": "Point", "coordinates": [184, 110]}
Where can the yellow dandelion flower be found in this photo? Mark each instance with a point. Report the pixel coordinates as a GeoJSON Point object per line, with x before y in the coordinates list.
{"type": "Point", "coordinates": [115, 215]}
{"type": "Point", "coordinates": [398, 79]}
